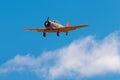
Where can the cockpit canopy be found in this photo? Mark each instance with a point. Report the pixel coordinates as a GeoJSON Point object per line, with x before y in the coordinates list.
{"type": "Point", "coordinates": [55, 21]}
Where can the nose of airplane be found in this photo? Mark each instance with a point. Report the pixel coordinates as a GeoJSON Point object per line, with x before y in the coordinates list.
{"type": "Point", "coordinates": [47, 24]}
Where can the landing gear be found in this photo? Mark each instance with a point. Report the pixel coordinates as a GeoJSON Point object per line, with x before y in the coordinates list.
{"type": "Point", "coordinates": [44, 34]}
{"type": "Point", "coordinates": [58, 34]}
{"type": "Point", "coordinates": [66, 33]}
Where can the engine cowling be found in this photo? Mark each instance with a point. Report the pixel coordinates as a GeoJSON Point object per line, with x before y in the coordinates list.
{"type": "Point", "coordinates": [47, 24]}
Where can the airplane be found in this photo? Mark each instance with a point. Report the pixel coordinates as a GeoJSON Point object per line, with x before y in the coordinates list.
{"type": "Point", "coordinates": [56, 27]}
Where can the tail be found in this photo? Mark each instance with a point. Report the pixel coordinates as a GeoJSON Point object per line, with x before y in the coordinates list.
{"type": "Point", "coordinates": [67, 24]}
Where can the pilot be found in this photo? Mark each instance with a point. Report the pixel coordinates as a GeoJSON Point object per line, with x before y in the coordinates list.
{"type": "Point", "coordinates": [55, 21]}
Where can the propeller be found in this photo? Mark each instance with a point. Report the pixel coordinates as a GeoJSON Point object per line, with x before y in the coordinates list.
{"type": "Point", "coordinates": [47, 23]}
{"type": "Point", "coordinates": [47, 18]}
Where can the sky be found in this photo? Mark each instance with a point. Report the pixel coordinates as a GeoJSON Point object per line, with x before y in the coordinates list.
{"type": "Point", "coordinates": [91, 53]}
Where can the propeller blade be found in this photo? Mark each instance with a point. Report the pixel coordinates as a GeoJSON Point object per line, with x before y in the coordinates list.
{"type": "Point", "coordinates": [47, 18]}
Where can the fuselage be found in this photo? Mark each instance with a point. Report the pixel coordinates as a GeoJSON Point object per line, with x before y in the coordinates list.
{"type": "Point", "coordinates": [52, 24]}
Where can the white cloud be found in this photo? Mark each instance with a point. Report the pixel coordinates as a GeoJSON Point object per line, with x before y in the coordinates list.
{"type": "Point", "coordinates": [86, 57]}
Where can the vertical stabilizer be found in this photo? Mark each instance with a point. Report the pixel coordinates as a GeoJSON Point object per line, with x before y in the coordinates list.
{"type": "Point", "coordinates": [67, 24]}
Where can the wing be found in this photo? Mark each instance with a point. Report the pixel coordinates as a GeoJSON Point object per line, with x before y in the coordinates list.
{"type": "Point", "coordinates": [35, 29]}
{"type": "Point", "coordinates": [43, 29]}
{"type": "Point", "coordinates": [62, 29]}
{"type": "Point", "coordinates": [69, 28]}
{"type": "Point", "coordinates": [80, 26]}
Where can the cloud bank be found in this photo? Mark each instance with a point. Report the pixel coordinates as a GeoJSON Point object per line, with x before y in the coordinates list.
{"type": "Point", "coordinates": [83, 57]}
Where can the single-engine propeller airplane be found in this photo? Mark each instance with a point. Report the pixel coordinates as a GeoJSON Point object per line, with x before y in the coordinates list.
{"type": "Point", "coordinates": [54, 26]}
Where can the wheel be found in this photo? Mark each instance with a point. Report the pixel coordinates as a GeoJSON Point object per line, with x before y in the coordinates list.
{"type": "Point", "coordinates": [44, 34]}
{"type": "Point", "coordinates": [58, 34]}
{"type": "Point", "coordinates": [66, 33]}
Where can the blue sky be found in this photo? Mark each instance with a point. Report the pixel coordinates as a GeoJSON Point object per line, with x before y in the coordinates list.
{"type": "Point", "coordinates": [103, 17]}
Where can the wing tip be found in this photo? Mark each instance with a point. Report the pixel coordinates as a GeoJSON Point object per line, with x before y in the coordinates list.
{"type": "Point", "coordinates": [86, 25]}
{"type": "Point", "coordinates": [24, 28]}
